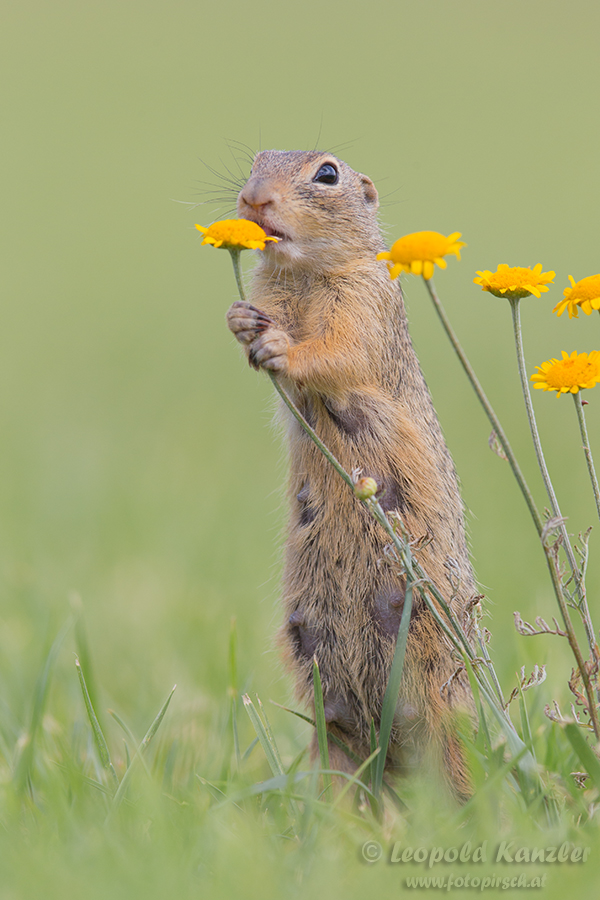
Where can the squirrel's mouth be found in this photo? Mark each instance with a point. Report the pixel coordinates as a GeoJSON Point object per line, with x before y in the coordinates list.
{"type": "Point", "coordinates": [268, 229]}
{"type": "Point", "coordinates": [271, 232]}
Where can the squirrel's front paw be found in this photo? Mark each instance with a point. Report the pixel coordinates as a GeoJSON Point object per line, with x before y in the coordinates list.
{"type": "Point", "coordinates": [247, 322]}
{"type": "Point", "coordinates": [270, 351]}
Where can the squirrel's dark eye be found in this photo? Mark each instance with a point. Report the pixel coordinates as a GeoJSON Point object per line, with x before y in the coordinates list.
{"type": "Point", "coordinates": [327, 174]}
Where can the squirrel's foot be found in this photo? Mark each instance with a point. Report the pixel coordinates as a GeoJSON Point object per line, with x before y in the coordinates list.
{"type": "Point", "coordinates": [270, 351]}
{"type": "Point", "coordinates": [247, 322]}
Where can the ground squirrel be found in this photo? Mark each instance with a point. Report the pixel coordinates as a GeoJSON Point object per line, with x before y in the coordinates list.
{"type": "Point", "coordinates": [327, 319]}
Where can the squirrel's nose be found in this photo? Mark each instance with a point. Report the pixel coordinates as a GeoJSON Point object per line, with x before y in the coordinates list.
{"type": "Point", "coordinates": [257, 193]}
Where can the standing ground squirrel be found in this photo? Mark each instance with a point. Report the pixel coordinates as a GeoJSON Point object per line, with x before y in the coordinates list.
{"type": "Point", "coordinates": [327, 319]}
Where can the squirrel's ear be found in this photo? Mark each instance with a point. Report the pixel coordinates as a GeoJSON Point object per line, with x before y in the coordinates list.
{"type": "Point", "coordinates": [369, 191]}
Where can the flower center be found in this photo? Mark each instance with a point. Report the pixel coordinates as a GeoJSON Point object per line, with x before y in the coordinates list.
{"type": "Point", "coordinates": [509, 278]}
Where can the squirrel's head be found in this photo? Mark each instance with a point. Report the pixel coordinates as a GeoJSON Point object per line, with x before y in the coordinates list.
{"type": "Point", "coordinates": [323, 212]}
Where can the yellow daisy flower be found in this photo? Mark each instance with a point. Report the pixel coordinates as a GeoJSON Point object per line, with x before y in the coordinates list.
{"type": "Point", "coordinates": [584, 294]}
{"type": "Point", "coordinates": [417, 253]}
{"type": "Point", "coordinates": [235, 234]}
{"type": "Point", "coordinates": [514, 283]}
{"type": "Point", "coordinates": [570, 374]}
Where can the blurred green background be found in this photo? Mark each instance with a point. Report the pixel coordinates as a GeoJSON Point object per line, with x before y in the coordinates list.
{"type": "Point", "coordinates": [138, 466]}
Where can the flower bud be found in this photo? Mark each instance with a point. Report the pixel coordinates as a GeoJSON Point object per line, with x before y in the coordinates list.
{"type": "Point", "coordinates": [365, 488]}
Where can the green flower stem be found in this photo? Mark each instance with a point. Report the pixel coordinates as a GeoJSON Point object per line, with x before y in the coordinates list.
{"type": "Point", "coordinates": [516, 316]}
{"type": "Point", "coordinates": [585, 613]}
{"type": "Point", "coordinates": [586, 448]}
{"type": "Point", "coordinates": [485, 654]}
{"type": "Point", "coordinates": [556, 581]}
{"type": "Point", "coordinates": [311, 433]}
{"type": "Point", "coordinates": [470, 372]}
{"type": "Point", "coordinates": [234, 252]}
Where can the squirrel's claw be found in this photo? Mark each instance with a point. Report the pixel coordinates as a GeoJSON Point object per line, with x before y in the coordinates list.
{"type": "Point", "coordinates": [247, 322]}
{"type": "Point", "coordinates": [270, 350]}
{"type": "Point", "coordinates": [252, 326]}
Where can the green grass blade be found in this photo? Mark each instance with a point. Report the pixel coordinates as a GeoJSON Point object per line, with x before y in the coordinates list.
{"type": "Point", "coordinates": [295, 712]}
{"type": "Point", "coordinates": [525, 726]}
{"type": "Point", "coordinates": [40, 695]}
{"type": "Point", "coordinates": [216, 793]}
{"type": "Point", "coordinates": [277, 783]}
{"type": "Point", "coordinates": [99, 738]}
{"type": "Point", "coordinates": [266, 742]}
{"type": "Point", "coordinates": [526, 765]}
{"type": "Point", "coordinates": [295, 764]}
{"type": "Point", "coordinates": [396, 800]}
{"type": "Point", "coordinates": [127, 731]}
{"type": "Point", "coordinates": [85, 779]}
{"type": "Point", "coordinates": [156, 723]}
{"type": "Point", "coordinates": [389, 790]}
{"type": "Point", "coordinates": [283, 783]}
{"type": "Point", "coordinates": [489, 785]}
{"type": "Point", "coordinates": [354, 779]}
{"type": "Point", "coordinates": [249, 749]}
{"type": "Point", "coordinates": [373, 736]}
{"type": "Point", "coordinates": [310, 805]}
{"type": "Point", "coordinates": [125, 728]}
{"type": "Point", "coordinates": [120, 793]}
{"type": "Point", "coordinates": [584, 752]}
{"type": "Point", "coordinates": [474, 684]}
{"type": "Point", "coordinates": [269, 733]}
{"type": "Point", "coordinates": [332, 737]}
{"type": "Point", "coordinates": [321, 727]}
{"type": "Point", "coordinates": [371, 774]}
{"type": "Point", "coordinates": [392, 691]}
{"type": "Point", "coordinates": [84, 654]}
